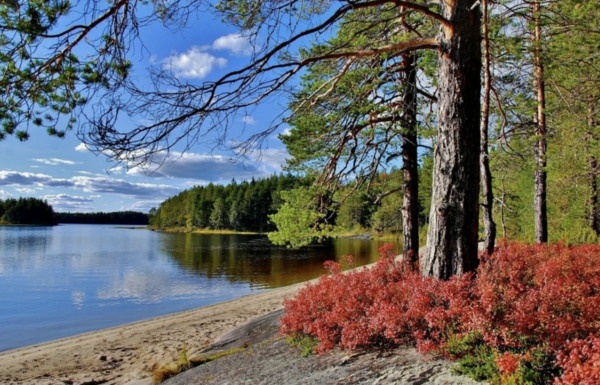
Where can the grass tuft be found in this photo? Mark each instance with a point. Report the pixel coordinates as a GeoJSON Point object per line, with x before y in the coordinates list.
{"type": "Point", "coordinates": [170, 370]}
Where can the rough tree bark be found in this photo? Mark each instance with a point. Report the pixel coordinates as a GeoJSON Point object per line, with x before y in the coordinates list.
{"type": "Point", "coordinates": [454, 216]}
{"type": "Point", "coordinates": [410, 167]}
{"type": "Point", "coordinates": [486, 174]}
{"type": "Point", "coordinates": [593, 165]}
{"type": "Point", "coordinates": [540, 177]}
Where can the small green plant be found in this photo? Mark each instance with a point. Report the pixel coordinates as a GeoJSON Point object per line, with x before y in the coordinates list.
{"type": "Point", "coordinates": [184, 362]}
{"type": "Point", "coordinates": [475, 359]}
{"type": "Point", "coordinates": [479, 364]}
{"type": "Point", "coordinates": [539, 367]}
{"type": "Point", "coordinates": [460, 346]}
{"type": "Point", "coordinates": [305, 343]}
{"type": "Point", "coordinates": [165, 372]}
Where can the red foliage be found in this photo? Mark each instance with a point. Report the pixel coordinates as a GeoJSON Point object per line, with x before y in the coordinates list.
{"type": "Point", "coordinates": [388, 304]}
{"type": "Point", "coordinates": [508, 363]}
{"type": "Point", "coordinates": [533, 295]}
{"type": "Point", "coordinates": [522, 298]}
{"type": "Point", "coordinates": [581, 362]}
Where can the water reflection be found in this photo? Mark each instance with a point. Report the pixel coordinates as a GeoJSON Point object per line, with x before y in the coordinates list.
{"type": "Point", "coordinates": [253, 259]}
{"type": "Point", "coordinates": [64, 280]}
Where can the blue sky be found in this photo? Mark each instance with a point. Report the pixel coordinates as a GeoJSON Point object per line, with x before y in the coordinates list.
{"type": "Point", "coordinates": [73, 179]}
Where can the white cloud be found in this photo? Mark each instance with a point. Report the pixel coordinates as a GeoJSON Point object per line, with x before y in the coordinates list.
{"type": "Point", "coordinates": [54, 161]}
{"type": "Point", "coordinates": [206, 168]}
{"type": "Point", "coordinates": [194, 183]}
{"type": "Point", "coordinates": [286, 132]}
{"type": "Point", "coordinates": [234, 43]}
{"type": "Point", "coordinates": [5, 194]}
{"type": "Point", "coordinates": [142, 206]}
{"type": "Point", "coordinates": [57, 198]}
{"type": "Point", "coordinates": [81, 147]}
{"type": "Point", "coordinates": [249, 120]}
{"type": "Point", "coordinates": [118, 186]}
{"type": "Point", "coordinates": [273, 158]}
{"type": "Point", "coordinates": [69, 203]}
{"type": "Point", "coordinates": [14, 178]}
{"type": "Point", "coordinates": [26, 190]}
{"type": "Point", "coordinates": [114, 170]}
{"type": "Point", "coordinates": [90, 184]}
{"type": "Point", "coordinates": [193, 64]}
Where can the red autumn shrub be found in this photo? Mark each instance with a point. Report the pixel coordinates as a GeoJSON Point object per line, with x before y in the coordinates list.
{"type": "Point", "coordinates": [388, 304]}
{"type": "Point", "coordinates": [580, 360]}
{"type": "Point", "coordinates": [334, 309]}
{"type": "Point", "coordinates": [508, 363]}
{"type": "Point", "coordinates": [533, 295]}
{"type": "Point", "coordinates": [523, 300]}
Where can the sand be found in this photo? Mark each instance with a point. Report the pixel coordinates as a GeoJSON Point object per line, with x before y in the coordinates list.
{"type": "Point", "coordinates": [120, 354]}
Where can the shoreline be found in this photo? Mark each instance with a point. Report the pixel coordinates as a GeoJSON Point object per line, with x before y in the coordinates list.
{"type": "Point", "coordinates": [131, 351]}
{"type": "Point", "coordinates": [365, 236]}
{"type": "Point", "coordinates": [185, 230]}
{"type": "Point", "coordinates": [122, 353]}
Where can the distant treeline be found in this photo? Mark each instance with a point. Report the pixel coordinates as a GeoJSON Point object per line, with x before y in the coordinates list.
{"type": "Point", "coordinates": [244, 206]}
{"type": "Point", "coordinates": [114, 218]}
{"type": "Point", "coordinates": [26, 211]}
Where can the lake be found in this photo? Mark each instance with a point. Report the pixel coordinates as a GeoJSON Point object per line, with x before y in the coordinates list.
{"type": "Point", "coordinates": [60, 281]}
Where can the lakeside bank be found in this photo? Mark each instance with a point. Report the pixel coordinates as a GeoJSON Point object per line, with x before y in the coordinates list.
{"type": "Point", "coordinates": [120, 353]}
{"type": "Point", "coordinates": [123, 353]}
{"type": "Point", "coordinates": [132, 351]}
{"type": "Point", "coordinates": [187, 230]}
{"type": "Point", "coordinates": [361, 234]}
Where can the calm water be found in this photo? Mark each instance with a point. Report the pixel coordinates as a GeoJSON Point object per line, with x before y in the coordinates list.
{"type": "Point", "coordinates": [69, 279]}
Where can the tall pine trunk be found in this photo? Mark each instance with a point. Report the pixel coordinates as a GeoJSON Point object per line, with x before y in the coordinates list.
{"type": "Point", "coordinates": [454, 216]}
{"type": "Point", "coordinates": [410, 167]}
{"type": "Point", "coordinates": [486, 174]}
{"type": "Point", "coordinates": [593, 165]}
{"type": "Point", "coordinates": [540, 177]}
{"type": "Point", "coordinates": [593, 203]}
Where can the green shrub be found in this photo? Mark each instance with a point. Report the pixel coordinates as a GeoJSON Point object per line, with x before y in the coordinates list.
{"type": "Point", "coordinates": [305, 343]}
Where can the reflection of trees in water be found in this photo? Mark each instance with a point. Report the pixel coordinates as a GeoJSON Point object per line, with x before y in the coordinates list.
{"type": "Point", "coordinates": [24, 245]}
{"type": "Point", "coordinates": [253, 259]}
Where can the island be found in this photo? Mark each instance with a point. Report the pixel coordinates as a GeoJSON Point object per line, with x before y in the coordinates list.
{"type": "Point", "coordinates": [26, 211]}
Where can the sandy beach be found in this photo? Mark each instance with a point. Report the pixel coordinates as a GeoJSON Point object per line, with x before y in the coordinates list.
{"type": "Point", "coordinates": [120, 354]}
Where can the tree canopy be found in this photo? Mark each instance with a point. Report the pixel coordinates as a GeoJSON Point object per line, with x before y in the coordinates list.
{"type": "Point", "coordinates": [26, 211]}
{"type": "Point", "coordinates": [243, 206]}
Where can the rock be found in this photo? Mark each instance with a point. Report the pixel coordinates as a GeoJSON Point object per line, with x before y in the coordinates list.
{"type": "Point", "coordinates": [102, 358]}
{"type": "Point", "coordinates": [143, 381]}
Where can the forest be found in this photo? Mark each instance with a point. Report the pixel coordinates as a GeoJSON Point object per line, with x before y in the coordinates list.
{"type": "Point", "coordinates": [34, 211]}
{"type": "Point", "coordinates": [101, 218]}
{"type": "Point", "coordinates": [250, 205]}
{"type": "Point", "coordinates": [243, 206]}
{"type": "Point", "coordinates": [26, 211]}
{"type": "Point", "coordinates": [488, 108]}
